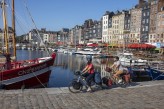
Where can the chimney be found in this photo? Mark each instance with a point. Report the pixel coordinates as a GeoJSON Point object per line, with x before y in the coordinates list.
{"type": "Point", "coordinates": [141, 2]}
{"type": "Point", "coordinates": [149, 1]}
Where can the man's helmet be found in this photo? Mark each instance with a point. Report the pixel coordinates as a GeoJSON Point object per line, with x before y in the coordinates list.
{"type": "Point", "coordinates": [117, 58]}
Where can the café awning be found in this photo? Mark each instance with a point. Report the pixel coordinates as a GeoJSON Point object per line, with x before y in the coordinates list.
{"type": "Point", "coordinates": [142, 46]}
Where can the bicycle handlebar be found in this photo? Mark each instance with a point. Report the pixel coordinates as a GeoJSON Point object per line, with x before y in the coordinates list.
{"type": "Point", "coordinates": [77, 73]}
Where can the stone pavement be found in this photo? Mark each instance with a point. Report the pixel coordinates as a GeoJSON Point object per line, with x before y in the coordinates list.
{"type": "Point", "coordinates": [145, 95]}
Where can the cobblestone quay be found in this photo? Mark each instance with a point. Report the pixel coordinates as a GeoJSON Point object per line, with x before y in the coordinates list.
{"type": "Point", "coordinates": [146, 95]}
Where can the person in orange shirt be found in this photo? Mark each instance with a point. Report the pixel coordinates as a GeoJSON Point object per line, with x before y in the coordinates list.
{"type": "Point", "coordinates": [89, 72]}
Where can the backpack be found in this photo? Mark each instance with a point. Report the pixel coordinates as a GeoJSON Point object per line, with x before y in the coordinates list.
{"type": "Point", "coordinates": [97, 78]}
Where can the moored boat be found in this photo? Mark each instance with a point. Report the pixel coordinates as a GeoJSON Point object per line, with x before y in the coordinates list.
{"type": "Point", "coordinates": [155, 74]}
{"type": "Point", "coordinates": [128, 59]}
{"type": "Point", "coordinates": [27, 73]}
{"type": "Point", "coordinates": [15, 74]}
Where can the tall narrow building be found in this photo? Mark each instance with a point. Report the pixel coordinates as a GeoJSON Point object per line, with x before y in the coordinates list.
{"type": "Point", "coordinates": [145, 20]}
{"type": "Point", "coordinates": [120, 27]}
{"type": "Point", "coordinates": [106, 23]}
{"type": "Point", "coordinates": [153, 21]}
{"type": "Point", "coordinates": [160, 22]}
{"type": "Point", "coordinates": [135, 24]}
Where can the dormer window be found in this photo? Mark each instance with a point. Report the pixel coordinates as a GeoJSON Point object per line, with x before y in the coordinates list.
{"type": "Point", "coordinates": [162, 9]}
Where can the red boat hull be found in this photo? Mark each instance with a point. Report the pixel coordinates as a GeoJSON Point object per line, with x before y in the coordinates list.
{"type": "Point", "coordinates": [40, 81]}
{"type": "Point", "coordinates": [34, 75]}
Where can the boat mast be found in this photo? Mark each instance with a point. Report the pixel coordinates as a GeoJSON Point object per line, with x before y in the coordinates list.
{"type": "Point", "coordinates": [13, 27]}
{"type": "Point", "coordinates": [5, 26]}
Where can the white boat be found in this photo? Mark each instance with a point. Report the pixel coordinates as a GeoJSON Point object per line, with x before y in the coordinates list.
{"type": "Point", "coordinates": [24, 47]}
{"type": "Point", "coordinates": [60, 50]}
{"type": "Point", "coordinates": [29, 48]}
{"type": "Point", "coordinates": [128, 58]}
{"type": "Point", "coordinates": [88, 51]}
{"type": "Point", "coordinates": [42, 48]}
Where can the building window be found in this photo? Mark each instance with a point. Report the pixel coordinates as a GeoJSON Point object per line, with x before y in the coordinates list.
{"type": "Point", "coordinates": [128, 21]}
{"type": "Point", "coordinates": [162, 22]}
{"type": "Point", "coordinates": [143, 29]}
{"type": "Point", "coordinates": [125, 26]}
{"type": "Point", "coordinates": [161, 35]}
{"type": "Point", "coordinates": [162, 9]}
{"type": "Point", "coordinates": [162, 15]}
{"type": "Point", "coordinates": [146, 28]}
{"type": "Point", "coordinates": [154, 36]}
{"type": "Point", "coordinates": [143, 21]}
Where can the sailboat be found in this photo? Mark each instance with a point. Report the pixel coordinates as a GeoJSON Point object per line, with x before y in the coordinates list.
{"type": "Point", "coordinates": [21, 74]}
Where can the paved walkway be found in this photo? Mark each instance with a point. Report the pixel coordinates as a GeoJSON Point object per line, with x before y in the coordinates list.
{"type": "Point", "coordinates": [146, 95]}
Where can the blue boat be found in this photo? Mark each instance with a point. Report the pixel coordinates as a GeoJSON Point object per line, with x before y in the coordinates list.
{"type": "Point", "coordinates": [155, 74]}
{"type": "Point", "coordinates": [138, 74]}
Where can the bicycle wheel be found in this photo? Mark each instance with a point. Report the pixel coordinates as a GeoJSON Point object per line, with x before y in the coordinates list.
{"type": "Point", "coordinates": [123, 84]}
{"type": "Point", "coordinates": [75, 86]}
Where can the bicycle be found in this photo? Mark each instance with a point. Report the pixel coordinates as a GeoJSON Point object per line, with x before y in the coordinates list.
{"type": "Point", "coordinates": [123, 80]}
{"type": "Point", "coordinates": [77, 84]}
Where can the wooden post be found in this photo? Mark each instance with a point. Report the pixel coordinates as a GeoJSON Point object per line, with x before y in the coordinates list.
{"type": "Point", "coordinates": [13, 27]}
{"type": "Point", "coordinates": [5, 26]}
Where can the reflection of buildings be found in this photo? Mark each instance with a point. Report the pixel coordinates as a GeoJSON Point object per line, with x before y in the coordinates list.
{"type": "Point", "coordinates": [78, 62]}
{"type": "Point", "coordinates": [103, 72]}
{"type": "Point", "coordinates": [104, 63]}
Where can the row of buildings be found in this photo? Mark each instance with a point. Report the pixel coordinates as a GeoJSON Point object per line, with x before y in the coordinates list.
{"type": "Point", "coordinates": [144, 23]}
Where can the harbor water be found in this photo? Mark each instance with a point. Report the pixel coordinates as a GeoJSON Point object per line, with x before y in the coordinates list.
{"type": "Point", "coordinates": [65, 65]}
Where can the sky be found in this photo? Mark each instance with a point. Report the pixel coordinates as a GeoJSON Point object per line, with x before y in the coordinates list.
{"type": "Point", "coordinates": [57, 14]}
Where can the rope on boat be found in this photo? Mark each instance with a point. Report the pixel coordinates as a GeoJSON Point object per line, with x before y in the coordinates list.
{"type": "Point", "coordinates": [39, 80]}
{"type": "Point", "coordinates": [35, 27]}
{"type": "Point", "coordinates": [21, 22]}
{"type": "Point", "coordinates": [1, 76]}
{"type": "Point", "coordinates": [40, 40]}
{"type": "Point", "coordinates": [39, 37]}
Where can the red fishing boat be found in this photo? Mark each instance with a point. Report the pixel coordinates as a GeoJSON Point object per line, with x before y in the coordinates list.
{"type": "Point", "coordinates": [21, 74]}
{"type": "Point", "coordinates": [27, 73]}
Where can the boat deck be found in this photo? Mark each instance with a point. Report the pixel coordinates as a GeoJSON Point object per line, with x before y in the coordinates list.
{"type": "Point", "coordinates": [19, 64]}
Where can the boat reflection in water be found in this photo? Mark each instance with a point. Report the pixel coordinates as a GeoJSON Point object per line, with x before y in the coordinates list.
{"type": "Point", "coordinates": [65, 65]}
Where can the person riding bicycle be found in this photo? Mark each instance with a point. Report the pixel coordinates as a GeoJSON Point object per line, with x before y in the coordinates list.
{"type": "Point", "coordinates": [89, 72]}
{"type": "Point", "coordinates": [118, 68]}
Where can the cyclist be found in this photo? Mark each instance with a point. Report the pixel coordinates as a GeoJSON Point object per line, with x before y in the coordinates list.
{"type": "Point", "coordinates": [88, 72]}
{"type": "Point", "coordinates": [117, 66]}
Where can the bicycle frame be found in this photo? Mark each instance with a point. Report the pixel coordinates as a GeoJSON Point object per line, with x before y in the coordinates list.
{"type": "Point", "coordinates": [114, 79]}
{"type": "Point", "coordinates": [82, 80]}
